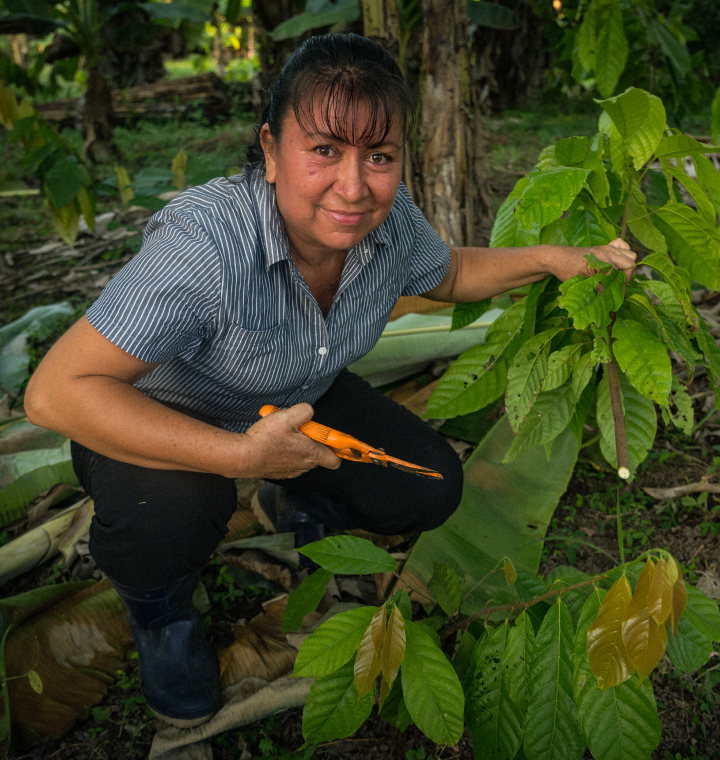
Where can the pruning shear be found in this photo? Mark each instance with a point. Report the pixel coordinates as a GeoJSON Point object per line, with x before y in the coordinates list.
{"type": "Point", "coordinates": [347, 447]}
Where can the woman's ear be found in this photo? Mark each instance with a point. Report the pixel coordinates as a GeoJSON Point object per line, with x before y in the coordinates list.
{"type": "Point", "coordinates": [268, 145]}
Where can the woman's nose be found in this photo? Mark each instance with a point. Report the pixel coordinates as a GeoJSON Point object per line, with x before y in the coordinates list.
{"type": "Point", "coordinates": [350, 183]}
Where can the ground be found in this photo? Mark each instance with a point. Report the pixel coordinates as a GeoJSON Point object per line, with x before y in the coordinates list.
{"type": "Point", "coordinates": [33, 272]}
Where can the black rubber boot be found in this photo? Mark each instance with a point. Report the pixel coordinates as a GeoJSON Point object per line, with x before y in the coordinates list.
{"type": "Point", "coordinates": [178, 667]}
{"type": "Point", "coordinates": [303, 513]}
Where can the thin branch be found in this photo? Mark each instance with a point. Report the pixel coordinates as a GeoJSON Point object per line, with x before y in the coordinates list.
{"type": "Point", "coordinates": [518, 605]}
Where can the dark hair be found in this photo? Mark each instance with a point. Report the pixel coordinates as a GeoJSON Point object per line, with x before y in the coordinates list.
{"type": "Point", "coordinates": [339, 73]}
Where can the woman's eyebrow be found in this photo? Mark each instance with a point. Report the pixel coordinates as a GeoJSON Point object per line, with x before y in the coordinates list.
{"type": "Point", "coordinates": [324, 136]}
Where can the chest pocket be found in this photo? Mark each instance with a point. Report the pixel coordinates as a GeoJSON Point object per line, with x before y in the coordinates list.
{"type": "Point", "coordinates": [244, 359]}
{"type": "Point", "coordinates": [371, 314]}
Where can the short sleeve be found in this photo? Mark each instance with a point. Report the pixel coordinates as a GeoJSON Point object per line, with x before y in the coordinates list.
{"type": "Point", "coordinates": [164, 302]}
{"type": "Point", "coordinates": [430, 255]}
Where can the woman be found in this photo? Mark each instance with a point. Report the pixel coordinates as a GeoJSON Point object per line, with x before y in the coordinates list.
{"type": "Point", "coordinates": [256, 289]}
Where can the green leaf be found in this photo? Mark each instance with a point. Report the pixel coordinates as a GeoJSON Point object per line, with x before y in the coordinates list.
{"type": "Point", "coordinates": [640, 422]}
{"type": "Point", "coordinates": [673, 49]}
{"type": "Point", "coordinates": [694, 243]}
{"type": "Point", "coordinates": [350, 556]}
{"type": "Point", "coordinates": [679, 146]}
{"type": "Point", "coordinates": [560, 366]}
{"type": "Point", "coordinates": [525, 376]}
{"type": "Point", "coordinates": [690, 650]}
{"type": "Point", "coordinates": [63, 181]}
{"type": "Point", "coordinates": [35, 682]}
{"type": "Point", "coordinates": [706, 343]}
{"type": "Point", "coordinates": [571, 151]}
{"type": "Point", "coordinates": [643, 359]}
{"type": "Point", "coordinates": [705, 207]}
{"type": "Point", "coordinates": [715, 117]}
{"type": "Point", "coordinates": [675, 278]}
{"type": "Point", "coordinates": [431, 689]}
{"type": "Point", "coordinates": [585, 304]}
{"type": "Point", "coordinates": [491, 15]}
{"type": "Point", "coordinates": [478, 376]}
{"type": "Point", "coordinates": [297, 25]}
{"type": "Point", "coordinates": [708, 178]}
{"type": "Point", "coordinates": [588, 614]}
{"type": "Point", "coordinates": [175, 10]}
{"type": "Point", "coordinates": [514, 504]}
{"type": "Point", "coordinates": [519, 653]}
{"type": "Point", "coordinates": [393, 709]}
{"type": "Point", "coordinates": [463, 658]}
{"type": "Point", "coordinates": [466, 313]}
{"type": "Point", "coordinates": [334, 642]}
{"type": "Point", "coordinates": [494, 722]}
{"type": "Point", "coordinates": [581, 374]}
{"type": "Point", "coordinates": [402, 601]}
{"type": "Point", "coordinates": [305, 599]}
{"type": "Point", "coordinates": [582, 228]}
{"type": "Point", "coordinates": [640, 224]}
{"type": "Point", "coordinates": [702, 613]}
{"type": "Point", "coordinates": [639, 118]}
{"type": "Point", "coordinates": [685, 415]}
{"type": "Point", "coordinates": [597, 180]}
{"type": "Point", "coordinates": [612, 49]}
{"type": "Point", "coordinates": [550, 415]}
{"type": "Point", "coordinates": [549, 194]}
{"type": "Point", "coordinates": [445, 587]}
{"type": "Point", "coordinates": [507, 232]}
{"type": "Point", "coordinates": [620, 723]}
{"type": "Point", "coordinates": [15, 498]}
{"type": "Point", "coordinates": [333, 709]}
{"type": "Point", "coordinates": [552, 731]}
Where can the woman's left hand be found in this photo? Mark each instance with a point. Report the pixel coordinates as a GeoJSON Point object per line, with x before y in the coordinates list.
{"type": "Point", "coordinates": [569, 262]}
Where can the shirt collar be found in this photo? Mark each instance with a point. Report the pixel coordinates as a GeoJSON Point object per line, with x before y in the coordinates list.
{"type": "Point", "coordinates": [274, 236]}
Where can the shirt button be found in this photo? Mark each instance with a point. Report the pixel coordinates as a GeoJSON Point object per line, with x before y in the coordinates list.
{"type": "Point", "coordinates": [305, 387]}
{"type": "Point", "coordinates": [322, 350]}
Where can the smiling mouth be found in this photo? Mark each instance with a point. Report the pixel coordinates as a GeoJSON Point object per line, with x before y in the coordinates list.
{"type": "Point", "coordinates": [346, 218]}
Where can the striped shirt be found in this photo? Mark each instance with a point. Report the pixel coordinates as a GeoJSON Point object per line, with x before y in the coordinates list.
{"type": "Point", "coordinates": [216, 298]}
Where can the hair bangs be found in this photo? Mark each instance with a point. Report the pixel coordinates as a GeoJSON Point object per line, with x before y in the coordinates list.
{"type": "Point", "coordinates": [345, 105]}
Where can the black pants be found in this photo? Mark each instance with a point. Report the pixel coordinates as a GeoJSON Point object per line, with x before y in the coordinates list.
{"type": "Point", "coordinates": [153, 526]}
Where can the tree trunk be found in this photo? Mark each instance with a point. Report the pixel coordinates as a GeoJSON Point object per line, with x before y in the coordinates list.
{"type": "Point", "coordinates": [509, 64]}
{"type": "Point", "coordinates": [97, 118]}
{"type": "Point", "coordinates": [381, 23]}
{"type": "Point", "coordinates": [455, 196]}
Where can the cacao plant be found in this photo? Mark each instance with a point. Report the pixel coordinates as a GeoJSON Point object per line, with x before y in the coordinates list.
{"type": "Point", "coordinates": [597, 342]}
{"type": "Point", "coordinates": [561, 668]}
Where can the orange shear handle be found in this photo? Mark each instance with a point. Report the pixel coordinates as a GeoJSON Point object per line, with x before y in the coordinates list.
{"type": "Point", "coordinates": [345, 446]}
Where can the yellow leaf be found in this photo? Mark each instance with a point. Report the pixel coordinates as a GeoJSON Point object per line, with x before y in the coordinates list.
{"type": "Point", "coordinates": [679, 601]}
{"type": "Point", "coordinates": [673, 569]}
{"type": "Point", "coordinates": [644, 639]}
{"type": "Point", "coordinates": [25, 109]}
{"type": "Point", "coordinates": [609, 660]}
{"type": "Point", "coordinates": [86, 207]}
{"type": "Point", "coordinates": [367, 662]}
{"type": "Point", "coordinates": [65, 220]}
{"type": "Point", "coordinates": [509, 570]}
{"type": "Point", "coordinates": [124, 186]}
{"type": "Point", "coordinates": [9, 113]}
{"type": "Point", "coordinates": [660, 597]}
{"type": "Point", "coordinates": [35, 682]}
{"type": "Point", "coordinates": [385, 688]}
{"type": "Point", "coordinates": [393, 649]}
{"type": "Point", "coordinates": [178, 167]}
{"type": "Point", "coordinates": [377, 624]}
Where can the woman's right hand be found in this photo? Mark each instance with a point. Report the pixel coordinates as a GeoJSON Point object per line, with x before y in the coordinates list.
{"type": "Point", "coordinates": [279, 450]}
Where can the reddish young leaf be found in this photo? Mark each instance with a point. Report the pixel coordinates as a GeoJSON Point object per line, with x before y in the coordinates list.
{"type": "Point", "coordinates": [609, 659]}
{"type": "Point", "coordinates": [367, 662]}
{"type": "Point", "coordinates": [393, 648]}
{"type": "Point", "coordinates": [644, 639]}
{"type": "Point", "coordinates": [660, 597]}
{"type": "Point", "coordinates": [679, 600]}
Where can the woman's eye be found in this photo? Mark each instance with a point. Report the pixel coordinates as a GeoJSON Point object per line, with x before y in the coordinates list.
{"type": "Point", "coordinates": [379, 159]}
{"type": "Point", "coordinates": [324, 150]}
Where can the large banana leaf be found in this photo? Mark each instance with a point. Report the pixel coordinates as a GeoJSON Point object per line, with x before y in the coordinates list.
{"type": "Point", "coordinates": [75, 637]}
{"type": "Point", "coordinates": [410, 343]}
{"type": "Point", "coordinates": [14, 466]}
{"type": "Point", "coordinates": [504, 509]}
{"type": "Point", "coordinates": [22, 435]}
{"type": "Point", "coordinates": [14, 359]}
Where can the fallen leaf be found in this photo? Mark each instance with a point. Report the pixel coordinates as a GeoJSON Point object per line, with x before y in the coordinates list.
{"type": "Point", "coordinates": [709, 584]}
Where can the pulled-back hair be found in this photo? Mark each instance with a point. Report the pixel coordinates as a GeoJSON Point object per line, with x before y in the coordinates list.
{"type": "Point", "coordinates": [325, 83]}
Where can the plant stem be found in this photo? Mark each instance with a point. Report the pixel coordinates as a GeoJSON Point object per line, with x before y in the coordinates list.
{"type": "Point", "coordinates": [518, 605]}
{"type": "Point", "coordinates": [620, 530]}
{"type": "Point", "coordinates": [621, 449]}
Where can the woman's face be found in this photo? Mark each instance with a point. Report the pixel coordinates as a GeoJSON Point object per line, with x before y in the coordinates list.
{"type": "Point", "coordinates": [329, 193]}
